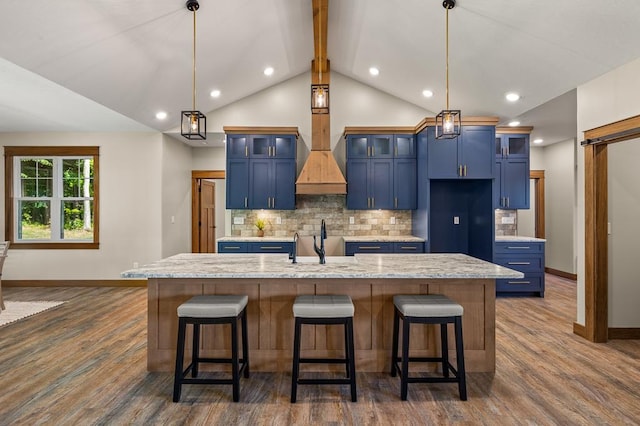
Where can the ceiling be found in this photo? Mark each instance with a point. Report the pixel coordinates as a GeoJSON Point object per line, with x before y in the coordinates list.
{"type": "Point", "coordinates": [110, 65]}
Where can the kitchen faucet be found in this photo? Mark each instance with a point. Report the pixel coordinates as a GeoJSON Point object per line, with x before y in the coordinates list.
{"type": "Point", "coordinates": [292, 255]}
{"type": "Point", "coordinates": [323, 236]}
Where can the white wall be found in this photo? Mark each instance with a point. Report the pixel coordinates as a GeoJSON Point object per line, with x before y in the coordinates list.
{"type": "Point", "coordinates": [611, 97]}
{"type": "Point", "coordinates": [175, 215]}
{"type": "Point", "coordinates": [560, 206]}
{"type": "Point", "coordinates": [624, 209]}
{"type": "Point", "coordinates": [130, 199]}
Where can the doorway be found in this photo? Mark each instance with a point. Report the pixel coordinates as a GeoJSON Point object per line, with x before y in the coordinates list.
{"type": "Point", "coordinates": [203, 223]}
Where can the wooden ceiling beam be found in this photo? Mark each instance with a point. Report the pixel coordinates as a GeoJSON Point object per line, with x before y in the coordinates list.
{"type": "Point", "coordinates": [320, 18]}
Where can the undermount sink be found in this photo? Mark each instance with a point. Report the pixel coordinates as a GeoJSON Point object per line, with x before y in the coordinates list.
{"type": "Point", "coordinates": [331, 260]}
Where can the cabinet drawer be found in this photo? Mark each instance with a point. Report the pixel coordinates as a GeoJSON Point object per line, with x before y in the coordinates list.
{"type": "Point", "coordinates": [232, 247]}
{"type": "Point", "coordinates": [408, 247]}
{"type": "Point", "coordinates": [519, 247]}
{"type": "Point", "coordinates": [521, 263]}
{"type": "Point", "coordinates": [530, 283]}
{"type": "Point", "coordinates": [271, 247]}
{"type": "Point", "coordinates": [374, 247]}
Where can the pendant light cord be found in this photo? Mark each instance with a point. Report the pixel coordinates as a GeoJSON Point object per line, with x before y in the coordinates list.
{"type": "Point", "coordinates": [194, 60]}
{"type": "Point", "coordinates": [447, 54]}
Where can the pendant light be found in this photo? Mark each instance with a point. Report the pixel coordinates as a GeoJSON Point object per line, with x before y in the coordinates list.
{"type": "Point", "coordinates": [448, 121]}
{"type": "Point", "coordinates": [319, 92]}
{"type": "Point", "coordinates": [194, 123]}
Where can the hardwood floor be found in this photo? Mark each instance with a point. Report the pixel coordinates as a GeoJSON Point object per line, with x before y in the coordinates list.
{"type": "Point", "coordinates": [85, 363]}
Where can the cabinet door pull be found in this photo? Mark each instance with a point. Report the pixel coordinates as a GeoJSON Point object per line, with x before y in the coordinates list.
{"type": "Point", "coordinates": [369, 247]}
{"type": "Point", "coordinates": [271, 248]}
{"type": "Point", "coordinates": [231, 248]}
{"type": "Point", "coordinates": [368, 151]}
{"type": "Point", "coordinates": [408, 248]}
{"type": "Point", "coordinates": [519, 263]}
{"type": "Point", "coordinates": [245, 202]}
{"type": "Point", "coordinates": [518, 282]}
{"type": "Point", "coordinates": [459, 169]}
{"type": "Point", "coordinates": [373, 202]}
{"type": "Point", "coordinates": [507, 201]}
{"type": "Point", "coordinates": [373, 151]}
{"type": "Point", "coordinates": [274, 151]}
{"type": "Point", "coordinates": [465, 170]}
{"type": "Point", "coordinates": [395, 202]}
{"type": "Point", "coordinates": [246, 151]}
{"type": "Point", "coordinates": [519, 247]}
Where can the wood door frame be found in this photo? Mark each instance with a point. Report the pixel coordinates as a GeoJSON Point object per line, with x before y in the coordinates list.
{"type": "Point", "coordinates": [596, 194]}
{"type": "Point", "coordinates": [196, 176]}
{"type": "Point", "coordinates": [538, 177]}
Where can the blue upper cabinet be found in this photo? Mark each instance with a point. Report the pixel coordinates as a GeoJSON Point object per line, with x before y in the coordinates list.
{"type": "Point", "coordinates": [511, 188]}
{"type": "Point", "coordinates": [469, 156]}
{"type": "Point", "coordinates": [237, 146]}
{"type": "Point", "coordinates": [381, 172]}
{"type": "Point", "coordinates": [261, 171]}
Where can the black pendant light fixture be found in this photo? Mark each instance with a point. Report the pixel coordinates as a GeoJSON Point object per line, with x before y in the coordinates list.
{"type": "Point", "coordinates": [320, 91]}
{"type": "Point", "coordinates": [448, 121]}
{"type": "Point", "coordinates": [194, 123]}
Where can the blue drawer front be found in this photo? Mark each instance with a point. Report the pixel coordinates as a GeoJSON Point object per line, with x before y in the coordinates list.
{"type": "Point", "coordinates": [352, 248]}
{"type": "Point", "coordinates": [530, 283]}
{"type": "Point", "coordinates": [408, 247]}
{"type": "Point", "coordinates": [521, 263]}
{"type": "Point", "coordinates": [232, 247]}
{"type": "Point", "coordinates": [271, 247]}
{"type": "Point", "coordinates": [519, 247]}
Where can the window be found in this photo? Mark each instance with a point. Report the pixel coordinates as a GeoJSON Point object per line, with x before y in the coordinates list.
{"type": "Point", "coordinates": [51, 197]}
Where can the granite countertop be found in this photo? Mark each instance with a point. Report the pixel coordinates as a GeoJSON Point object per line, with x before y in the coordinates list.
{"type": "Point", "coordinates": [517, 238]}
{"type": "Point", "coordinates": [370, 266]}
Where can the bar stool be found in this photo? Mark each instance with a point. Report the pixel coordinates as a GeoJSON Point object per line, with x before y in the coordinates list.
{"type": "Point", "coordinates": [324, 309]}
{"type": "Point", "coordinates": [428, 309]}
{"type": "Point", "coordinates": [212, 309]}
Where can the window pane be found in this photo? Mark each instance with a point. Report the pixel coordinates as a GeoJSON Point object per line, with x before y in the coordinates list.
{"type": "Point", "coordinates": [77, 177]}
{"type": "Point", "coordinates": [36, 177]}
{"type": "Point", "coordinates": [36, 220]}
{"type": "Point", "coordinates": [77, 220]}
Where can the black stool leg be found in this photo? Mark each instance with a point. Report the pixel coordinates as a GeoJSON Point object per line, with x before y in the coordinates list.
{"type": "Point", "coordinates": [394, 351]}
{"type": "Point", "coordinates": [404, 378]}
{"type": "Point", "coordinates": [296, 360]}
{"type": "Point", "coordinates": [245, 343]}
{"type": "Point", "coordinates": [462, 381]}
{"type": "Point", "coordinates": [444, 344]}
{"type": "Point", "coordinates": [346, 349]}
{"type": "Point", "coordinates": [235, 375]}
{"type": "Point", "coordinates": [351, 354]}
{"type": "Point", "coordinates": [177, 380]}
{"type": "Point", "coordinates": [195, 350]}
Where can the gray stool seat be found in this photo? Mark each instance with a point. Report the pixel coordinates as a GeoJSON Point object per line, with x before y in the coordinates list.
{"type": "Point", "coordinates": [427, 309]}
{"type": "Point", "coordinates": [323, 306]}
{"type": "Point", "coordinates": [210, 310]}
{"type": "Point", "coordinates": [213, 306]}
{"type": "Point", "coordinates": [423, 305]}
{"type": "Point", "coordinates": [324, 310]}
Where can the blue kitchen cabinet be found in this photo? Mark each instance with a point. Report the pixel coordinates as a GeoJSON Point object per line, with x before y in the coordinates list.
{"type": "Point", "coordinates": [233, 247]}
{"type": "Point", "coordinates": [511, 188]}
{"type": "Point", "coordinates": [237, 176]}
{"type": "Point", "coordinates": [261, 171]}
{"type": "Point", "coordinates": [381, 172]}
{"type": "Point", "coordinates": [352, 247]}
{"type": "Point", "coordinates": [257, 247]}
{"type": "Point", "coordinates": [526, 257]}
{"type": "Point", "coordinates": [469, 156]}
{"type": "Point", "coordinates": [405, 182]}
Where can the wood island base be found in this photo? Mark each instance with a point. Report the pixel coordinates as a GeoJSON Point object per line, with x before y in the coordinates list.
{"type": "Point", "coordinates": [270, 320]}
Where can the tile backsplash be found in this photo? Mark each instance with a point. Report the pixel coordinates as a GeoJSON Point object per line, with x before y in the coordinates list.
{"type": "Point", "coordinates": [311, 209]}
{"type": "Point", "coordinates": [506, 222]}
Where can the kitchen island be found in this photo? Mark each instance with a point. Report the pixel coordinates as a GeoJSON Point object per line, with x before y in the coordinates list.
{"type": "Point", "coordinates": [272, 282]}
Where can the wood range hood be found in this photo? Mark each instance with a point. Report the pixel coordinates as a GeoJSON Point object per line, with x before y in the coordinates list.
{"type": "Point", "coordinates": [320, 173]}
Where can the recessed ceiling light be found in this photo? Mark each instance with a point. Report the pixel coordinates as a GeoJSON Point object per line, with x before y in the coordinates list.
{"type": "Point", "coordinates": [427, 93]}
{"type": "Point", "coordinates": [215, 93]}
{"type": "Point", "coordinates": [514, 123]}
{"type": "Point", "coordinates": [161, 115]}
{"type": "Point", "coordinates": [538, 140]}
{"type": "Point", "coordinates": [374, 71]}
{"type": "Point", "coordinates": [268, 71]}
{"type": "Point", "coordinates": [512, 97]}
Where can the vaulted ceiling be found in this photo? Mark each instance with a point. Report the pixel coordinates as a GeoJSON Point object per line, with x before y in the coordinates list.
{"type": "Point", "coordinates": [102, 65]}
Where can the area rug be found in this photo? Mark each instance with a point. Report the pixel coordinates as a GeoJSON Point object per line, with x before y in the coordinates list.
{"type": "Point", "coordinates": [18, 310]}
